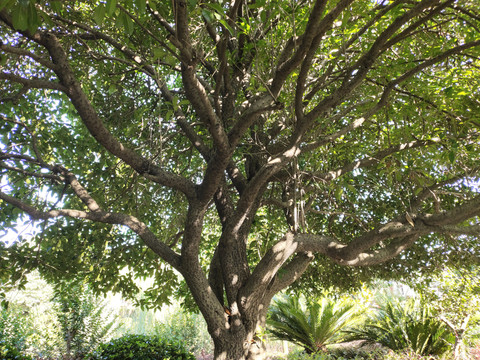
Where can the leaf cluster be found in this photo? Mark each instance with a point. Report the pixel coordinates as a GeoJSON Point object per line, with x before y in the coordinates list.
{"type": "Point", "coordinates": [135, 347]}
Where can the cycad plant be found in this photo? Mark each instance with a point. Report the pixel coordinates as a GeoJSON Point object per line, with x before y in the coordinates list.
{"type": "Point", "coordinates": [315, 325]}
{"type": "Point", "coordinates": [405, 325]}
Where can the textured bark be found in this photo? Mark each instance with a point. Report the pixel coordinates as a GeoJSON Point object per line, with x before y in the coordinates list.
{"type": "Point", "coordinates": [224, 123]}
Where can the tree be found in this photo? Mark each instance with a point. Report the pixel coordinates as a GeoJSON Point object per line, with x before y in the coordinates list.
{"type": "Point", "coordinates": [238, 143]}
{"type": "Point", "coordinates": [454, 293]}
{"type": "Point", "coordinates": [82, 325]}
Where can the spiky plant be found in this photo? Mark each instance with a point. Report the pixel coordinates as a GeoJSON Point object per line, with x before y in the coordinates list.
{"type": "Point", "coordinates": [408, 325]}
{"type": "Point", "coordinates": [314, 325]}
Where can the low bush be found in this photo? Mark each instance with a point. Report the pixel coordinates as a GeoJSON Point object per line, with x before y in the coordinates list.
{"type": "Point", "coordinates": [8, 352]}
{"type": "Point", "coordinates": [359, 354]}
{"type": "Point", "coordinates": [337, 354]}
{"type": "Point", "coordinates": [406, 326]}
{"type": "Point", "coordinates": [141, 347]}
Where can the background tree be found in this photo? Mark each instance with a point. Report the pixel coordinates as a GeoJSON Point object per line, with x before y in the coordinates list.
{"type": "Point", "coordinates": [82, 324]}
{"type": "Point", "coordinates": [234, 140]}
{"type": "Point", "coordinates": [455, 295]}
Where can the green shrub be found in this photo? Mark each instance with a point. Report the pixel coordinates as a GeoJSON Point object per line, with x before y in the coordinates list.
{"type": "Point", "coordinates": [315, 325]}
{"type": "Point", "coordinates": [13, 335]}
{"type": "Point", "coordinates": [8, 352]}
{"type": "Point", "coordinates": [187, 328]}
{"type": "Point", "coordinates": [406, 326]}
{"type": "Point", "coordinates": [141, 347]}
{"type": "Point", "coordinates": [353, 354]}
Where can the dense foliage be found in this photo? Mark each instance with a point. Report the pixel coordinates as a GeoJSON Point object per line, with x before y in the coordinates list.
{"type": "Point", "coordinates": [186, 328]}
{"type": "Point", "coordinates": [241, 143]}
{"type": "Point", "coordinates": [14, 331]}
{"type": "Point", "coordinates": [407, 325]}
{"type": "Point", "coordinates": [83, 326]}
{"type": "Point", "coordinates": [455, 294]}
{"type": "Point", "coordinates": [141, 347]}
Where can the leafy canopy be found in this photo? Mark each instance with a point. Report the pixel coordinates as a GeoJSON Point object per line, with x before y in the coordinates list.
{"type": "Point", "coordinates": [185, 130]}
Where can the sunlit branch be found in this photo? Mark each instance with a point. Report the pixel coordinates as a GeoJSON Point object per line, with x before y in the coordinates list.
{"type": "Point", "coordinates": [34, 138]}
{"type": "Point", "coordinates": [249, 113]}
{"type": "Point", "coordinates": [26, 158]}
{"type": "Point", "coordinates": [22, 52]}
{"type": "Point", "coordinates": [363, 66]}
{"type": "Point", "coordinates": [310, 52]}
{"type": "Point", "coordinates": [236, 176]}
{"type": "Point", "coordinates": [288, 64]}
{"type": "Point", "coordinates": [460, 230]}
{"type": "Point", "coordinates": [191, 134]}
{"type": "Point", "coordinates": [372, 160]}
{"type": "Point", "coordinates": [136, 58]}
{"type": "Point", "coordinates": [269, 265]}
{"type": "Point", "coordinates": [32, 83]}
{"type": "Point", "coordinates": [30, 173]}
{"type": "Point", "coordinates": [454, 216]}
{"type": "Point", "coordinates": [418, 97]}
{"type": "Point", "coordinates": [144, 29]}
{"type": "Point", "coordinates": [98, 130]}
{"type": "Point", "coordinates": [290, 272]}
{"type": "Point", "coordinates": [161, 20]}
{"type": "Point", "coordinates": [387, 90]}
{"type": "Point", "coordinates": [15, 97]}
{"type": "Point", "coordinates": [383, 10]}
{"type": "Point", "coordinates": [103, 217]}
{"type": "Point", "coordinates": [430, 191]}
{"type": "Point", "coordinates": [324, 140]}
{"type": "Point", "coordinates": [407, 32]}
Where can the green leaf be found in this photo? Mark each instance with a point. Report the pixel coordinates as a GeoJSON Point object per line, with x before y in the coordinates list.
{"type": "Point", "coordinates": [152, 5]}
{"type": "Point", "coordinates": [111, 6]}
{"type": "Point", "coordinates": [158, 53]}
{"type": "Point", "coordinates": [451, 156]}
{"type": "Point", "coordinates": [20, 18]}
{"type": "Point", "coordinates": [448, 91]}
{"type": "Point", "coordinates": [127, 23]}
{"type": "Point", "coordinates": [6, 4]}
{"type": "Point", "coordinates": [32, 18]}
{"type": "Point", "coordinates": [112, 89]}
{"type": "Point", "coordinates": [216, 7]}
{"type": "Point", "coordinates": [141, 6]}
{"type": "Point", "coordinates": [228, 27]}
{"type": "Point", "coordinates": [56, 6]}
{"type": "Point", "coordinates": [207, 15]}
{"type": "Point", "coordinates": [99, 14]}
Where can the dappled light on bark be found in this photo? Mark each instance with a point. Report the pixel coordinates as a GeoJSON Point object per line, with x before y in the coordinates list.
{"type": "Point", "coordinates": [240, 143]}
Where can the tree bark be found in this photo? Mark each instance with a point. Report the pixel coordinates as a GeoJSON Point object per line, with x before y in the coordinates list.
{"type": "Point", "coordinates": [238, 345]}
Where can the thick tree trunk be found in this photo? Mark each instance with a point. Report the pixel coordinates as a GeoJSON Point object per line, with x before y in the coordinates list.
{"type": "Point", "coordinates": [238, 348]}
{"type": "Point", "coordinates": [239, 340]}
{"type": "Point", "coordinates": [230, 348]}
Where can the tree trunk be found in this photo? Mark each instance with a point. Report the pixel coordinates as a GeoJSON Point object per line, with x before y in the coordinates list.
{"type": "Point", "coordinates": [238, 348]}
{"type": "Point", "coordinates": [458, 348]}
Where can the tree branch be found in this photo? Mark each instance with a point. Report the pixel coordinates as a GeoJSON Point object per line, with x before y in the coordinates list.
{"type": "Point", "coordinates": [33, 83]}
{"type": "Point", "coordinates": [371, 160]}
{"type": "Point", "coordinates": [22, 52]}
{"type": "Point", "coordinates": [101, 216]}
{"type": "Point", "coordinates": [98, 130]}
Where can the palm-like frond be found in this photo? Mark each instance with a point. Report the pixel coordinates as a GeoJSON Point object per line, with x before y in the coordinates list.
{"type": "Point", "coordinates": [400, 326]}
{"type": "Point", "coordinates": [313, 326]}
